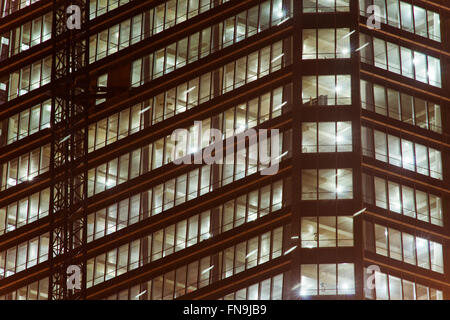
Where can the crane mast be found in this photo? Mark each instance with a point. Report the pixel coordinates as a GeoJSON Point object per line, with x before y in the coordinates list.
{"type": "Point", "coordinates": [69, 149]}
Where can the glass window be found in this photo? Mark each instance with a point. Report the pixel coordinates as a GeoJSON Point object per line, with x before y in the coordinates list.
{"type": "Point", "coordinates": [381, 286]}
{"type": "Point", "coordinates": [309, 184]}
{"type": "Point", "coordinates": [395, 288]}
{"type": "Point", "coordinates": [393, 57]}
{"type": "Point", "coordinates": [434, 71]}
{"type": "Point", "coordinates": [309, 137]}
{"type": "Point", "coordinates": [380, 100]}
{"type": "Point", "coordinates": [309, 43]}
{"type": "Point", "coordinates": [380, 193]}
{"type": "Point", "coordinates": [326, 47]}
{"type": "Point", "coordinates": [434, 27]}
{"type": "Point", "coordinates": [394, 104]}
{"type": "Point", "coordinates": [434, 116]}
{"type": "Point", "coordinates": [420, 110]}
{"type": "Point", "coordinates": [381, 240]}
{"type": "Point", "coordinates": [409, 249]}
{"type": "Point", "coordinates": [309, 93]}
{"type": "Point", "coordinates": [327, 279]}
{"type": "Point", "coordinates": [423, 256]}
{"type": "Point", "coordinates": [407, 20]}
{"type": "Point", "coordinates": [408, 202]}
{"type": "Point", "coordinates": [436, 254]}
{"type": "Point", "coordinates": [395, 244]}
{"type": "Point", "coordinates": [420, 21]}
{"type": "Point", "coordinates": [346, 278]}
{"type": "Point", "coordinates": [407, 62]}
{"type": "Point", "coordinates": [309, 232]}
{"type": "Point", "coordinates": [393, 13]}
{"type": "Point", "coordinates": [331, 137]}
{"type": "Point", "coordinates": [395, 203]}
{"type": "Point", "coordinates": [327, 231]}
{"type": "Point", "coordinates": [327, 90]}
{"type": "Point", "coordinates": [367, 97]}
{"type": "Point", "coordinates": [308, 279]}
{"type": "Point", "coordinates": [380, 146]}
{"type": "Point", "coordinates": [380, 53]}
{"type": "Point", "coordinates": [420, 66]}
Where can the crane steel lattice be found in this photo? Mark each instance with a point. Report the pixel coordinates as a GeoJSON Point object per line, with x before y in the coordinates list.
{"type": "Point", "coordinates": [68, 162]}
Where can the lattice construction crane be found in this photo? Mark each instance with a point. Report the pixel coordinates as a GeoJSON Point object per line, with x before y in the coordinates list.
{"type": "Point", "coordinates": [69, 150]}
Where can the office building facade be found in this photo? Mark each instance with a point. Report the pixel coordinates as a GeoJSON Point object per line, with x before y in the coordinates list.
{"type": "Point", "coordinates": [352, 96]}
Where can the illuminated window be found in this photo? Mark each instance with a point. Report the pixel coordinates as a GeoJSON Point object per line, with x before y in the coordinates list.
{"type": "Point", "coordinates": [326, 184]}
{"type": "Point", "coordinates": [327, 136]}
{"type": "Point", "coordinates": [402, 153]}
{"type": "Point", "coordinates": [326, 231]}
{"type": "Point", "coordinates": [415, 19]}
{"type": "Point", "coordinates": [414, 64]}
{"type": "Point", "coordinates": [404, 247]}
{"type": "Point", "coordinates": [389, 287]}
{"type": "Point", "coordinates": [326, 43]}
{"type": "Point", "coordinates": [326, 5]}
{"type": "Point", "coordinates": [326, 90]}
{"type": "Point", "coordinates": [327, 279]}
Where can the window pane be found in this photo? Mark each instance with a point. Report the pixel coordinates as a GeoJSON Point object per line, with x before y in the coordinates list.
{"type": "Point", "coordinates": [327, 90]}
{"type": "Point", "coordinates": [420, 21]}
{"type": "Point", "coordinates": [309, 137]}
{"type": "Point", "coordinates": [309, 44]}
{"type": "Point", "coordinates": [381, 235]}
{"type": "Point", "coordinates": [409, 249]}
{"type": "Point", "coordinates": [345, 231]}
{"type": "Point", "coordinates": [407, 155]}
{"type": "Point", "coordinates": [420, 66]}
{"type": "Point", "coordinates": [309, 232]}
{"type": "Point", "coordinates": [326, 40]}
{"type": "Point", "coordinates": [394, 104]}
{"type": "Point", "coordinates": [327, 133]}
{"type": "Point", "coordinates": [406, 12]}
{"type": "Point", "coordinates": [437, 263]}
{"type": "Point", "coordinates": [380, 146]}
{"type": "Point", "coordinates": [344, 188]}
{"type": "Point", "coordinates": [421, 159]}
{"type": "Point", "coordinates": [327, 184]}
{"type": "Point", "coordinates": [381, 286]}
{"type": "Point", "coordinates": [408, 202]}
{"type": "Point", "coordinates": [343, 90]}
{"type": "Point", "coordinates": [308, 279]}
{"type": "Point", "coordinates": [346, 278]}
{"type": "Point", "coordinates": [407, 62]}
{"type": "Point", "coordinates": [380, 193]}
{"type": "Point", "coordinates": [395, 204]}
{"type": "Point", "coordinates": [393, 57]}
{"type": "Point", "coordinates": [344, 137]}
{"type": "Point", "coordinates": [309, 87]}
{"type": "Point", "coordinates": [309, 184]}
{"type": "Point", "coordinates": [393, 13]}
{"type": "Point", "coordinates": [395, 244]}
{"type": "Point", "coordinates": [380, 53]}
{"type": "Point", "coordinates": [395, 288]}
{"type": "Point", "coordinates": [434, 71]}
{"type": "Point", "coordinates": [327, 232]}
{"type": "Point", "coordinates": [380, 100]}
{"type": "Point", "coordinates": [434, 27]}
{"type": "Point", "coordinates": [327, 279]}
{"type": "Point", "coordinates": [423, 258]}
